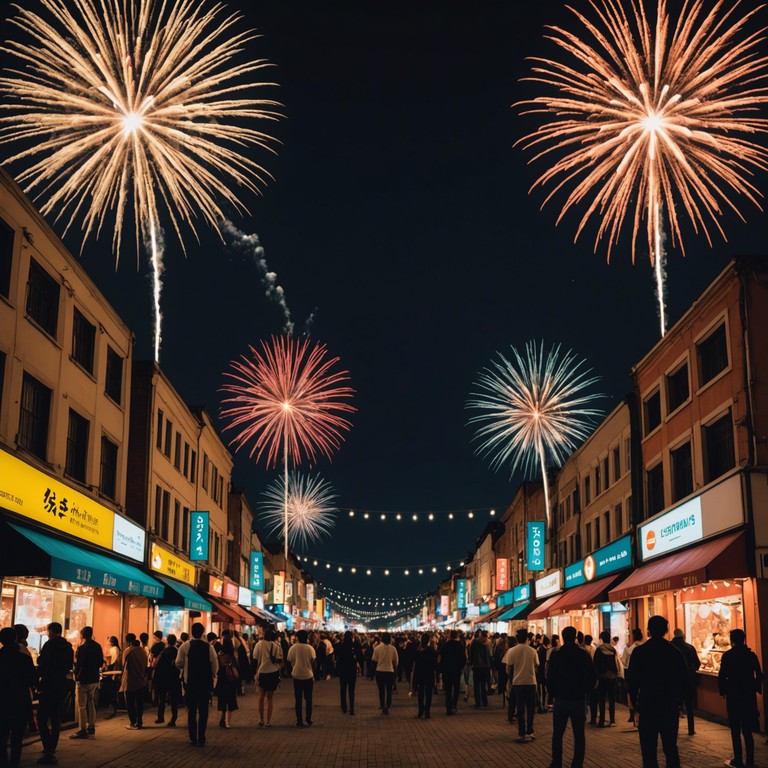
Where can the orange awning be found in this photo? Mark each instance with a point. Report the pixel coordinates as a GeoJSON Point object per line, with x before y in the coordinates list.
{"type": "Point", "coordinates": [542, 611]}
{"type": "Point", "coordinates": [585, 594]}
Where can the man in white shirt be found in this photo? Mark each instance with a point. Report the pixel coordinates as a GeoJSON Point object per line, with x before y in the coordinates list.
{"type": "Point", "coordinates": [301, 657]}
{"type": "Point", "coordinates": [521, 661]}
{"type": "Point", "coordinates": [385, 658]}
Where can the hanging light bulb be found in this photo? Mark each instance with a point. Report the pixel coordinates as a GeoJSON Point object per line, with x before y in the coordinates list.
{"type": "Point", "coordinates": [366, 515]}
{"type": "Point", "coordinates": [398, 516]}
{"type": "Point", "coordinates": [450, 515]}
{"type": "Point", "coordinates": [314, 562]}
{"type": "Point", "coordinates": [431, 516]}
{"type": "Point", "coordinates": [415, 518]}
{"type": "Point", "coordinates": [421, 570]}
{"type": "Point", "coordinates": [353, 569]}
{"type": "Point", "coordinates": [434, 570]}
{"type": "Point", "coordinates": [386, 571]}
{"type": "Point", "coordinates": [407, 572]}
{"type": "Point", "coordinates": [383, 517]}
{"type": "Point", "coordinates": [368, 572]}
{"type": "Point", "coordinates": [327, 565]}
{"type": "Point", "coordinates": [351, 512]}
{"type": "Point", "coordinates": [340, 569]}
{"type": "Point", "coordinates": [471, 514]}
{"type": "Point", "coordinates": [493, 512]}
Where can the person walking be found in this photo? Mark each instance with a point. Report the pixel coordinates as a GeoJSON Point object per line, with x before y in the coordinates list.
{"type": "Point", "coordinates": [167, 682]}
{"type": "Point", "coordinates": [227, 682]}
{"type": "Point", "coordinates": [54, 664]}
{"type": "Point", "coordinates": [658, 682]}
{"type": "Point", "coordinates": [637, 640]}
{"type": "Point", "coordinates": [385, 659]}
{"type": "Point", "coordinates": [134, 681]}
{"type": "Point", "coordinates": [693, 663]}
{"type": "Point", "coordinates": [89, 659]}
{"type": "Point", "coordinates": [423, 675]}
{"type": "Point", "coordinates": [522, 662]}
{"type": "Point", "coordinates": [606, 662]}
{"type": "Point", "coordinates": [301, 656]}
{"type": "Point", "coordinates": [480, 660]}
{"type": "Point", "coordinates": [347, 654]}
{"type": "Point", "coordinates": [268, 658]}
{"type": "Point", "coordinates": [453, 657]}
{"type": "Point", "coordinates": [571, 677]}
{"type": "Point", "coordinates": [17, 676]}
{"type": "Point", "coordinates": [199, 664]}
{"type": "Point", "coordinates": [740, 679]}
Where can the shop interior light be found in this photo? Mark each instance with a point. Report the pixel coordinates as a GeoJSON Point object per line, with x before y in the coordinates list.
{"type": "Point", "coordinates": [726, 583]}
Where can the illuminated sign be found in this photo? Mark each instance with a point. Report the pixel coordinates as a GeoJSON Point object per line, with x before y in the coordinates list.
{"type": "Point", "coordinates": [129, 539]}
{"type": "Point", "coordinates": [257, 571]}
{"type": "Point", "coordinates": [505, 598]}
{"type": "Point", "coordinates": [445, 605]}
{"type": "Point", "coordinates": [549, 585]}
{"type": "Point", "coordinates": [288, 589]}
{"type": "Point", "coordinates": [163, 561]}
{"type": "Point", "coordinates": [244, 597]}
{"type": "Point", "coordinates": [472, 611]}
{"type": "Point", "coordinates": [199, 533]}
{"type": "Point", "coordinates": [310, 594]}
{"type": "Point", "coordinates": [484, 609]}
{"type": "Point", "coordinates": [613, 557]}
{"type": "Point", "coordinates": [214, 586]}
{"type": "Point", "coordinates": [674, 529]}
{"type": "Point", "coordinates": [502, 574]}
{"type": "Point", "coordinates": [523, 592]}
{"type": "Point", "coordinates": [279, 588]}
{"type": "Point", "coordinates": [33, 494]}
{"type": "Point", "coordinates": [461, 593]}
{"type": "Point", "coordinates": [534, 545]}
{"type": "Point", "coordinates": [231, 591]}
{"type": "Point", "coordinates": [257, 600]}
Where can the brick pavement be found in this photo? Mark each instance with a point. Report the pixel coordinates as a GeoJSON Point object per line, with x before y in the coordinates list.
{"type": "Point", "coordinates": [471, 738]}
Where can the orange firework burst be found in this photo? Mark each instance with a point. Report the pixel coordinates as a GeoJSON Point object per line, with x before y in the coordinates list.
{"type": "Point", "coordinates": [652, 116]}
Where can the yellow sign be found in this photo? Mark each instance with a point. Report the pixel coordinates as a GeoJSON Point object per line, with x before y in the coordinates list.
{"type": "Point", "coordinates": [163, 561]}
{"type": "Point", "coordinates": [46, 500]}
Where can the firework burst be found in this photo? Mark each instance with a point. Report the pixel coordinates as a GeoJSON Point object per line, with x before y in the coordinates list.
{"type": "Point", "coordinates": [134, 103]}
{"type": "Point", "coordinates": [311, 508]}
{"type": "Point", "coordinates": [534, 409]}
{"type": "Point", "coordinates": [648, 120]}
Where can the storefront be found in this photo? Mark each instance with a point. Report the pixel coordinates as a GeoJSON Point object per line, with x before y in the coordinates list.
{"type": "Point", "coordinates": [547, 588]}
{"type": "Point", "coordinates": [224, 596]}
{"type": "Point", "coordinates": [516, 605]}
{"type": "Point", "coordinates": [66, 558]}
{"type": "Point", "coordinates": [695, 573]}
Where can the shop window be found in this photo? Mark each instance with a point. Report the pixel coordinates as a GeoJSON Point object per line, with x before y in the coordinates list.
{"type": "Point", "coordinates": [108, 477]}
{"type": "Point", "coordinates": [652, 412]}
{"type": "Point", "coordinates": [6, 258]}
{"type": "Point", "coordinates": [42, 299]}
{"type": "Point", "coordinates": [712, 354]}
{"type": "Point", "coordinates": [618, 519]}
{"type": "Point", "coordinates": [682, 472]}
{"type": "Point", "coordinates": [678, 390]}
{"type": "Point", "coordinates": [177, 452]}
{"type": "Point", "coordinates": [34, 416]}
{"type": "Point", "coordinates": [616, 464]}
{"type": "Point", "coordinates": [113, 384]}
{"type": "Point", "coordinates": [587, 491]}
{"type": "Point", "coordinates": [654, 486]}
{"type": "Point", "coordinates": [160, 423]}
{"type": "Point", "coordinates": [168, 438]}
{"type": "Point", "coordinates": [77, 446]}
{"type": "Point", "coordinates": [83, 341]}
{"type": "Point", "coordinates": [598, 487]}
{"type": "Point", "coordinates": [718, 447]}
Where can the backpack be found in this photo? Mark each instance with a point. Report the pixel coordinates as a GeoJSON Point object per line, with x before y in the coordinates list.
{"type": "Point", "coordinates": [231, 673]}
{"type": "Point", "coordinates": [605, 664]}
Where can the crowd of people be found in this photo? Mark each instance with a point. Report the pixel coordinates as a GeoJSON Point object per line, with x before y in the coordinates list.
{"type": "Point", "coordinates": [569, 676]}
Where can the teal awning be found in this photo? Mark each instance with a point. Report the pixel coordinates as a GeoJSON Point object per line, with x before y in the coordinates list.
{"type": "Point", "coordinates": [71, 563]}
{"type": "Point", "coordinates": [514, 612]}
{"type": "Point", "coordinates": [186, 596]}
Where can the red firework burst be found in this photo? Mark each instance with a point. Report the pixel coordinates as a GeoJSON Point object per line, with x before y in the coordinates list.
{"type": "Point", "coordinates": [287, 397]}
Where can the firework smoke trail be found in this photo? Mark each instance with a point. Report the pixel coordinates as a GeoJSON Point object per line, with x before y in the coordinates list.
{"type": "Point", "coordinates": [251, 245]}
{"type": "Point", "coordinates": [645, 119]}
{"type": "Point", "coordinates": [154, 242]}
{"type": "Point", "coordinates": [142, 103]}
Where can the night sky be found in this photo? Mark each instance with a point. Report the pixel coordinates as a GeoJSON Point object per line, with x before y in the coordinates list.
{"type": "Point", "coordinates": [400, 209]}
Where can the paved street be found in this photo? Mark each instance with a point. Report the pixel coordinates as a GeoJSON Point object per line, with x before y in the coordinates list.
{"type": "Point", "coordinates": [473, 737]}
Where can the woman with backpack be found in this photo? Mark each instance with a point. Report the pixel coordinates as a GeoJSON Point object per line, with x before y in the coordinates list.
{"type": "Point", "coordinates": [268, 658]}
{"type": "Point", "coordinates": [227, 682]}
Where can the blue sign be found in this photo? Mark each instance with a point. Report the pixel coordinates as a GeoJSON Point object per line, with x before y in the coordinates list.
{"type": "Point", "coordinates": [608, 559]}
{"type": "Point", "coordinates": [534, 545]}
{"type": "Point", "coordinates": [198, 535]}
{"type": "Point", "coordinates": [257, 571]}
{"type": "Point", "coordinates": [484, 608]}
{"type": "Point", "coordinates": [461, 593]}
{"type": "Point", "coordinates": [523, 592]}
{"type": "Point", "coordinates": [505, 598]}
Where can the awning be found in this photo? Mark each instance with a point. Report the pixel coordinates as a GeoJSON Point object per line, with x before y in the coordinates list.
{"type": "Point", "coordinates": [542, 611]}
{"type": "Point", "coordinates": [70, 563]}
{"type": "Point", "coordinates": [515, 612]}
{"type": "Point", "coordinates": [723, 558]}
{"type": "Point", "coordinates": [182, 594]}
{"type": "Point", "coordinates": [260, 613]}
{"type": "Point", "coordinates": [245, 616]}
{"type": "Point", "coordinates": [279, 616]}
{"type": "Point", "coordinates": [225, 613]}
{"type": "Point", "coordinates": [488, 617]}
{"type": "Point", "coordinates": [585, 594]}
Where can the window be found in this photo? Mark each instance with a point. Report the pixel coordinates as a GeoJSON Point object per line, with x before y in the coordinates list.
{"type": "Point", "coordinates": [678, 390]}
{"type": "Point", "coordinates": [6, 258]}
{"type": "Point", "coordinates": [606, 476]}
{"type": "Point", "coordinates": [587, 491]}
{"type": "Point", "coordinates": [177, 452]}
{"type": "Point", "coordinates": [718, 447]}
{"type": "Point", "coordinates": [176, 522]}
{"type": "Point", "coordinates": [616, 453]}
{"type": "Point", "coordinates": [596, 526]}
{"type": "Point", "coordinates": [168, 438]}
{"type": "Point", "coordinates": [2, 374]}
{"type": "Point", "coordinates": [77, 446]}
{"type": "Point", "coordinates": [159, 430]}
{"type": "Point", "coordinates": [654, 483]}
{"type": "Point", "coordinates": [713, 355]}
{"type": "Point", "coordinates": [158, 507]}
{"type": "Point", "coordinates": [108, 477]}
{"type": "Point", "coordinates": [214, 483]}
{"type": "Point", "coordinates": [42, 299]}
{"type": "Point", "coordinates": [83, 341]}
{"type": "Point", "coordinates": [618, 520]}
{"type": "Point", "coordinates": [588, 537]}
{"type": "Point", "coordinates": [186, 460]}
{"type": "Point", "coordinates": [607, 526]}
{"type": "Point", "coordinates": [628, 454]}
{"type": "Point", "coordinates": [216, 549]}
{"type": "Point", "coordinates": [193, 468]}
{"type": "Point", "coordinates": [184, 545]}
{"type": "Point", "coordinates": [34, 415]}
{"type": "Point", "coordinates": [113, 386]}
{"type": "Point", "coordinates": [165, 515]}
{"type": "Point", "coordinates": [682, 472]}
{"type": "Point", "coordinates": [205, 471]}
{"type": "Point", "coordinates": [652, 412]}
{"type": "Point", "coordinates": [598, 487]}
{"type": "Point", "coordinates": [221, 493]}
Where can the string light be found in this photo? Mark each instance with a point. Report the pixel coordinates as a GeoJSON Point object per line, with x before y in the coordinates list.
{"type": "Point", "coordinates": [429, 515]}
